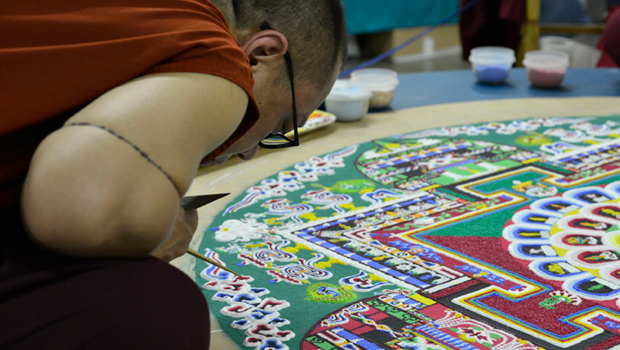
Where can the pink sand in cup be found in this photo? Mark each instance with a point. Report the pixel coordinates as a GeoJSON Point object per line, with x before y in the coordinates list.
{"type": "Point", "coordinates": [546, 69]}
{"type": "Point", "coordinates": [546, 78]}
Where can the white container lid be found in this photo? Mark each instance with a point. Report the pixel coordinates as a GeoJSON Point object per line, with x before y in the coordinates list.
{"type": "Point", "coordinates": [498, 50]}
{"type": "Point", "coordinates": [375, 78]}
{"type": "Point", "coordinates": [546, 60]}
{"type": "Point", "coordinates": [343, 91]}
{"type": "Point", "coordinates": [489, 55]}
{"type": "Point", "coordinates": [557, 43]}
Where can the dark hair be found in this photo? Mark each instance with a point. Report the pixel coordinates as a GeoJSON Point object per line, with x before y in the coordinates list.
{"type": "Point", "coordinates": [315, 30]}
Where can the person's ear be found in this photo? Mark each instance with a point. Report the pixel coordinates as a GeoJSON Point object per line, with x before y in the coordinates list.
{"type": "Point", "coordinates": [264, 46]}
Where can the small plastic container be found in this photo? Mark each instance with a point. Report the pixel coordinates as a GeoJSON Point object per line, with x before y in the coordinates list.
{"type": "Point", "coordinates": [491, 64]}
{"type": "Point", "coordinates": [546, 69]}
{"type": "Point", "coordinates": [382, 82]}
{"type": "Point", "coordinates": [348, 102]}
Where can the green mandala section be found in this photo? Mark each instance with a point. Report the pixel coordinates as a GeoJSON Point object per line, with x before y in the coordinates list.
{"type": "Point", "coordinates": [429, 162]}
{"type": "Point", "coordinates": [354, 186]}
{"type": "Point", "coordinates": [361, 237]}
{"type": "Point", "coordinates": [327, 293]}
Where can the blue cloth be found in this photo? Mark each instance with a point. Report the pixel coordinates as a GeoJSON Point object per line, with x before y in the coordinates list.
{"type": "Point", "coordinates": [370, 16]}
{"type": "Point", "coordinates": [423, 89]}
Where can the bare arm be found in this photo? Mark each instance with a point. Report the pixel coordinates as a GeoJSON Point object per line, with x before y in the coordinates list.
{"type": "Point", "coordinates": [89, 194]}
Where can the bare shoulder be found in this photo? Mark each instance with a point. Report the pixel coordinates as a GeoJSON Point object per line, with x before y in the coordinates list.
{"type": "Point", "coordinates": [177, 118]}
{"type": "Point", "coordinates": [88, 193]}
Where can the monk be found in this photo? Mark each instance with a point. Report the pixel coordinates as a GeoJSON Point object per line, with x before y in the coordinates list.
{"type": "Point", "coordinates": [107, 110]}
{"type": "Point", "coordinates": [611, 36]}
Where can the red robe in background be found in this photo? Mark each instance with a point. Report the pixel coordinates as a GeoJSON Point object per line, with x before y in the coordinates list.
{"type": "Point", "coordinates": [610, 41]}
{"type": "Point", "coordinates": [491, 23]}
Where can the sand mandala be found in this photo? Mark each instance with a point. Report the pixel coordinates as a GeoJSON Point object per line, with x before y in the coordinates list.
{"type": "Point", "coordinates": [572, 238]}
{"type": "Point", "coordinates": [499, 236]}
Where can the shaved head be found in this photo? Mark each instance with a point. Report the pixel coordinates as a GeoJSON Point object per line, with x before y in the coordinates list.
{"type": "Point", "coordinates": [315, 30]}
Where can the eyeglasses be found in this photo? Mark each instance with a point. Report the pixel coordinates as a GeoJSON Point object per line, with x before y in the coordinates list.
{"type": "Point", "coordinates": [279, 140]}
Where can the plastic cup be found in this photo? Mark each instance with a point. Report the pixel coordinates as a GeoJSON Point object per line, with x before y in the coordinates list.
{"type": "Point", "coordinates": [348, 102]}
{"type": "Point", "coordinates": [382, 82]}
{"type": "Point", "coordinates": [491, 64]}
{"type": "Point", "coordinates": [546, 69]}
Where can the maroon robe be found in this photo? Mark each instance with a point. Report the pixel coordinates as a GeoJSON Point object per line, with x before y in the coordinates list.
{"type": "Point", "coordinates": [491, 23]}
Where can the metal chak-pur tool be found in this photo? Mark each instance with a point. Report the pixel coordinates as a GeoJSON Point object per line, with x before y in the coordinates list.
{"type": "Point", "coordinates": [195, 202]}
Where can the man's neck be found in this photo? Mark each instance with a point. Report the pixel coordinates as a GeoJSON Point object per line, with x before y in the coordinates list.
{"type": "Point", "coordinates": [227, 8]}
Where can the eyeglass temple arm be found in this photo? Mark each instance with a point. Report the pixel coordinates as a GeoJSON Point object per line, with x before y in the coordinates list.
{"type": "Point", "coordinates": [289, 64]}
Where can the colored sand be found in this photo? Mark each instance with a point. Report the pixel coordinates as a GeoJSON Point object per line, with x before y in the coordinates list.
{"type": "Point", "coordinates": [545, 77]}
{"type": "Point", "coordinates": [492, 74]}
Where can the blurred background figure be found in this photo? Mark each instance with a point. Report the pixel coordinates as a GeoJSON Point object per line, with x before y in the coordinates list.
{"type": "Point", "coordinates": [491, 23]}
{"type": "Point", "coordinates": [610, 41]}
{"type": "Point", "coordinates": [376, 28]}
